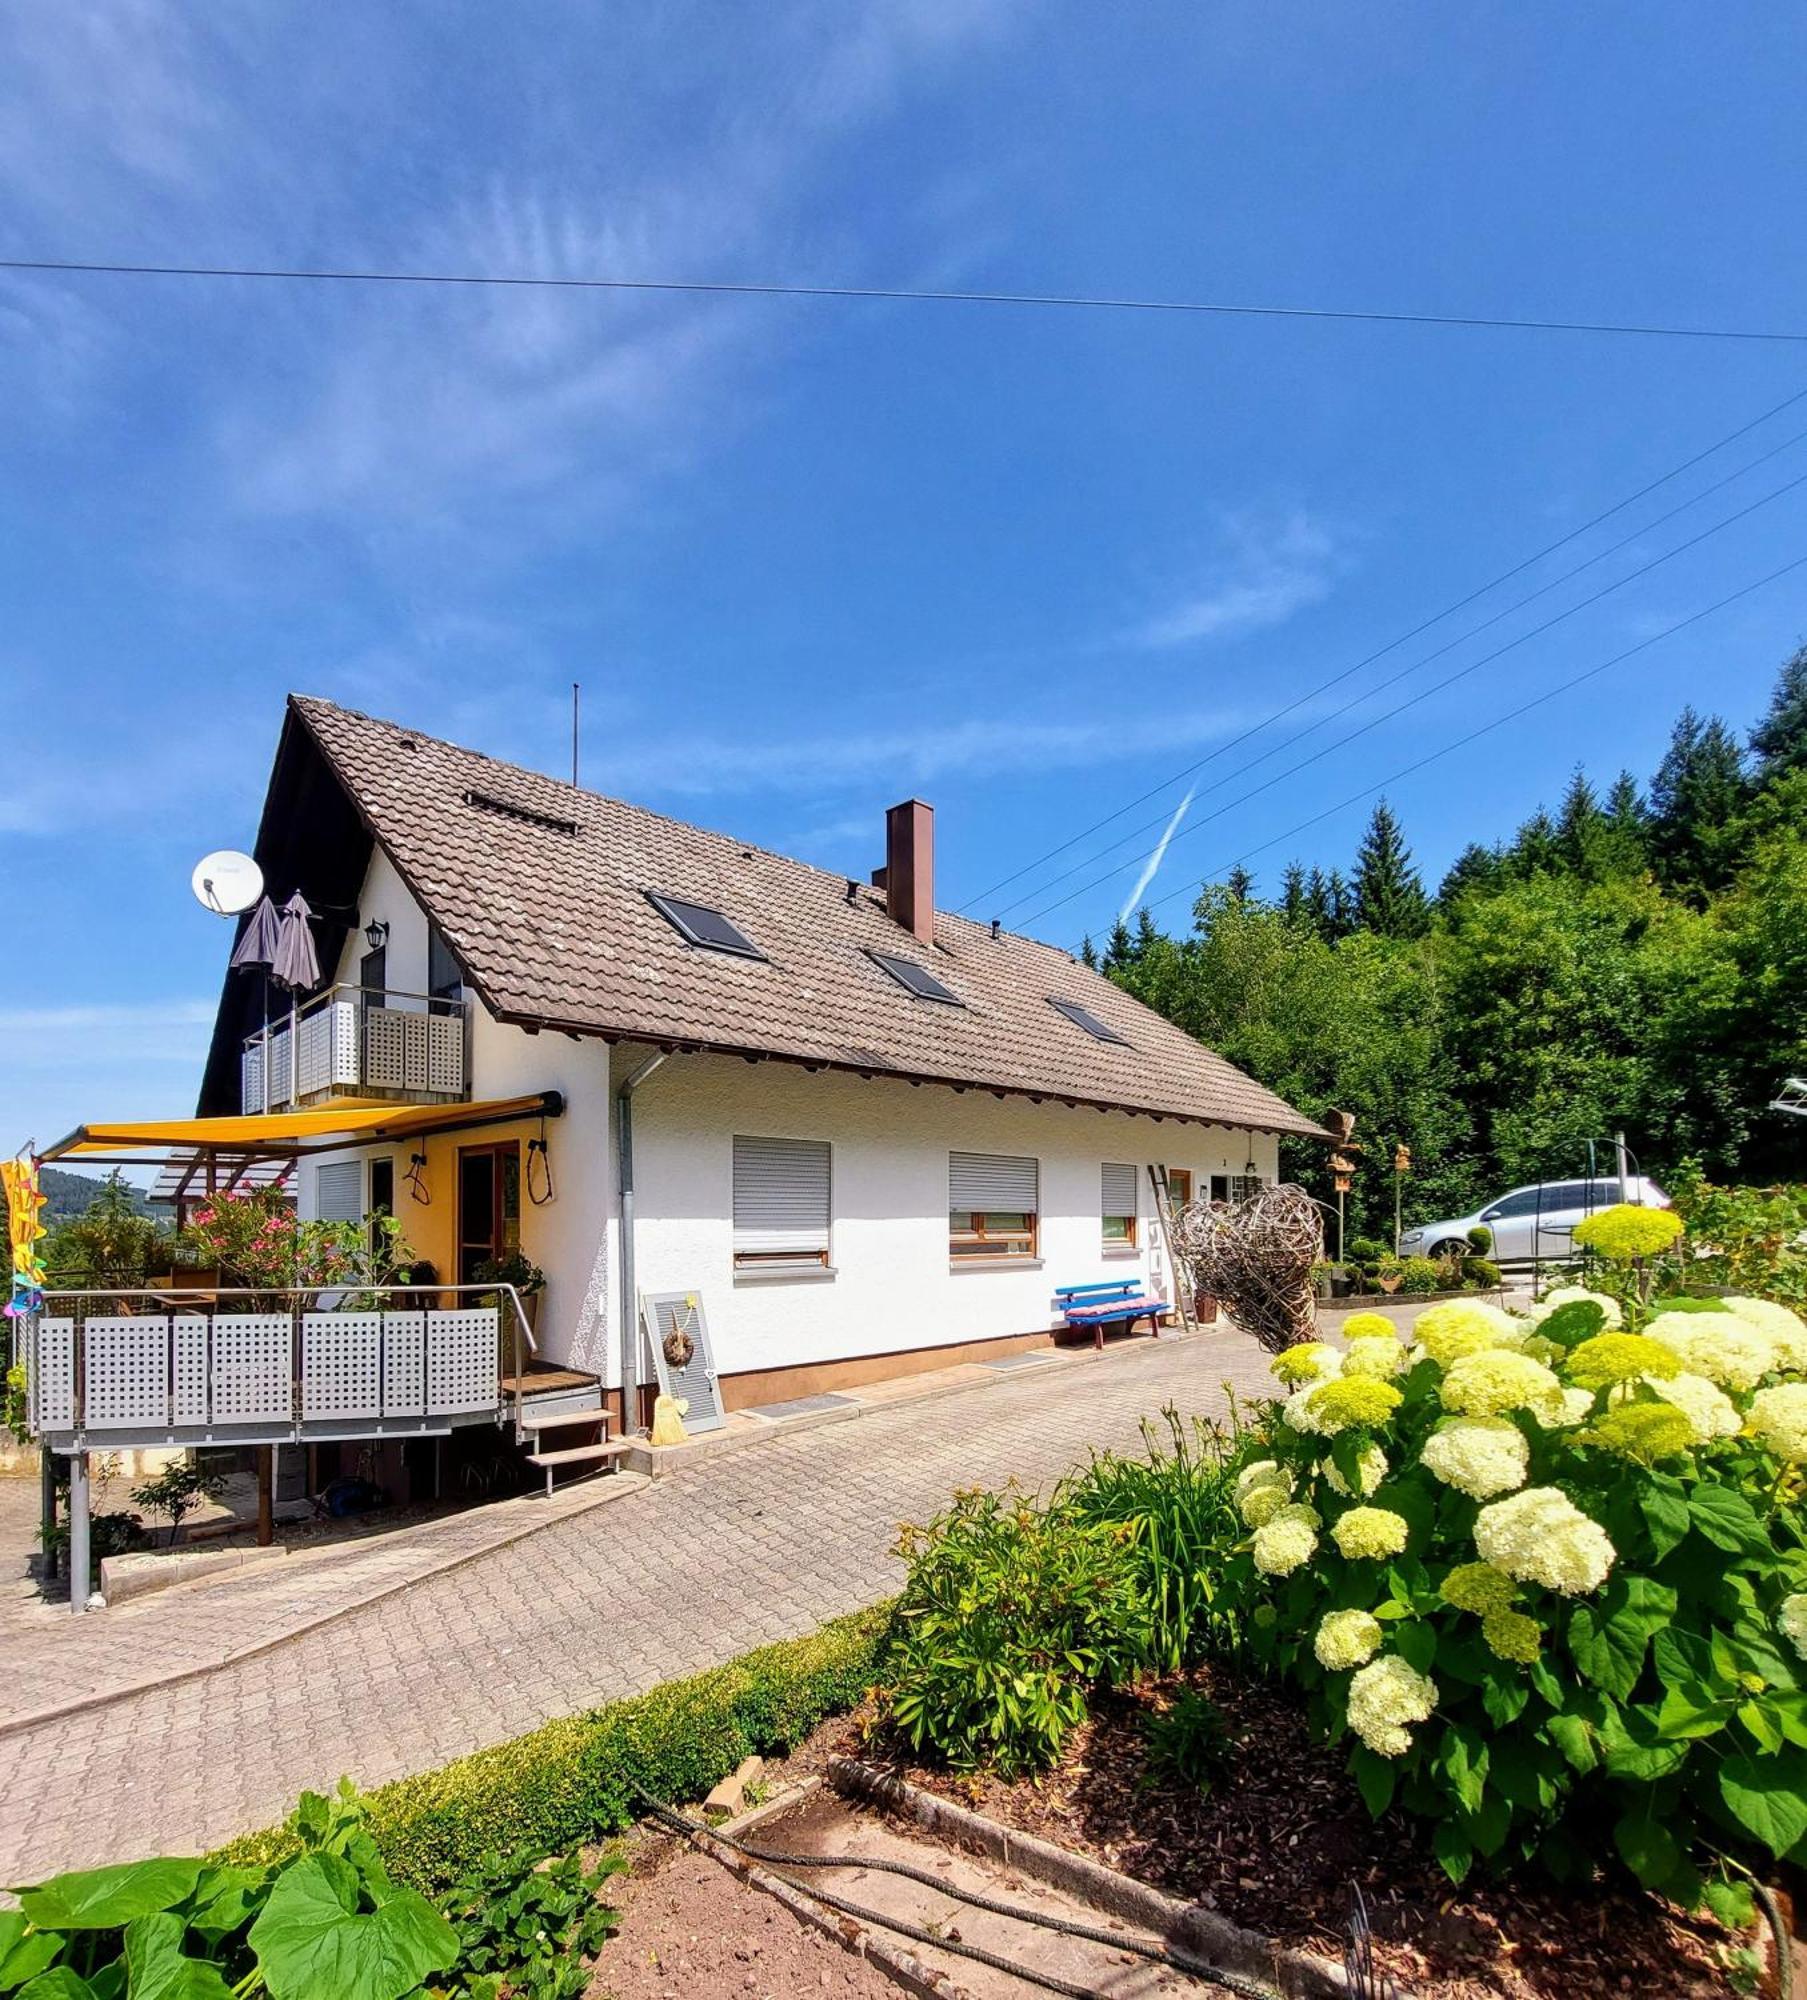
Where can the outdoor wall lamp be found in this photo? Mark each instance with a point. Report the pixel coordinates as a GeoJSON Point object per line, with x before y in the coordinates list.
{"type": "Point", "coordinates": [376, 934]}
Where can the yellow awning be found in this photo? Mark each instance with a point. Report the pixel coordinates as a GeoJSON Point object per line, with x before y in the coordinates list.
{"type": "Point", "coordinates": [322, 1128]}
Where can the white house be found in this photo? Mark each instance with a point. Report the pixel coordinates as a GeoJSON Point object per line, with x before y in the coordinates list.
{"type": "Point", "coordinates": [868, 1135]}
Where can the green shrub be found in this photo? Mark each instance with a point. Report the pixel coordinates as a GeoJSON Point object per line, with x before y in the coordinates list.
{"type": "Point", "coordinates": [1567, 1616]}
{"type": "Point", "coordinates": [1189, 1741]}
{"type": "Point", "coordinates": [1751, 1240]}
{"type": "Point", "coordinates": [1012, 1613]}
{"type": "Point", "coordinates": [1176, 1500]}
{"type": "Point", "coordinates": [1480, 1239]}
{"type": "Point", "coordinates": [1482, 1273]}
{"type": "Point", "coordinates": [572, 1780]}
{"type": "Point", "coordinates": [1366, 1249]}
{"type": "Point", "coordinates": [1420, 1274]}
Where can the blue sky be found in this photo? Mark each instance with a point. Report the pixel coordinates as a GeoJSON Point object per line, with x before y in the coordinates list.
{"type": "Point", "coordinates": [809, 557]}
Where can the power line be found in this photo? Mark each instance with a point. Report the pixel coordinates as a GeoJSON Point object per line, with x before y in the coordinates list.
{"type": "Point", "coordinates": [1424, 660]}
{"type": "Point", "coordinates": [1380, 653]}
{"type": "Point", "coordinates": [1449, 680]}
{"type": "Point", "coordinates": [906, 294]}
{"type": "Point", "coordinates": [1498, 722]}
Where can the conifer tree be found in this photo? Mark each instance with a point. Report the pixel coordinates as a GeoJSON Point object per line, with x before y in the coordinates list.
{"type": "Point", "coordinates": [1318, 905]}
{"type": "Point", "coordinates": [1340, 899]}
{"type": "Point", "coordinates": [1779, 741]}
{"type": "Point", "coordinates": [1146, 934]}
{"type": "Point", "coordinates": [1388, 892]}
{"type": "Point", "coordinates": [1088, 952]}
{"type": "Point", "coordinates": [1293, 901]}
{"type": "Point", "coordinates": [1695, 797]}
{"type": "Point", "coordinates": [1240, 883]}
{"type": "Point", "coordinates": [1625, 836]}
{"type": "Point", "coordinates": [1579, 826]}
{"type": "Point", "coordinates": [1477, 868]}
{"type": "Point", "coordinates": [1118, 951]}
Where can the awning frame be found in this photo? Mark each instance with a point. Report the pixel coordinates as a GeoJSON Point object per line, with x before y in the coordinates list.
{"type": "Point", "coordinates": [296, 1135]}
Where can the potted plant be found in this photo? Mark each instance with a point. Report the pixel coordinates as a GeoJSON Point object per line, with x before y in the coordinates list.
{"type": "Point", "coordinates": [518, 1270]}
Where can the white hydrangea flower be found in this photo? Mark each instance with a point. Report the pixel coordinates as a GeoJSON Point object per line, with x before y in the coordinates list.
{"type": "Point", "coordinates": [1577, 1407]}
{"type": "Point", "coordinates": [1568, 1295]}
{"type": "Point", "coordinates": [1791, 1620]}
{"type": "Point", "coordinates": [1479, 1456]}
{"type": "Point", "coordinates": [1540, 1536]}
{"type": "Point", "coordinates": [1490, 1383]}
{"type": "Point", "coordinates": [1374, 1354]}
{"type": "Point", "coordinates": [1296, 1413]}
{"type": "Point", "coordinates": [1310, 1361]}
{"type": "Point", "coordinates": [1705, 1405]}
{"type": "Point", "coordinates": [1348, 1639]}
{"type": "Point", "coordinates": [1785, 1328]}
{"type": "Point", "coordinates": [1371, 1469]}
{"type": "Point", "coordinates": [1778, 1419]}
{"type": "Point", "coordinates": [1719, 1345]}
{"type": "Point", "coordinates": [1287, 1541]}
{"type": "Point", "coordinates": [1384, 1697]}
{"type": "Point", "coordinates": [1462, 1326]}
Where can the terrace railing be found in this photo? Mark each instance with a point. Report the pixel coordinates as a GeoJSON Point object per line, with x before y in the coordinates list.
{"type": "Point", "coordinates": [356, 1041]}
{"type": "Point", "coordinates": [110, 1369]}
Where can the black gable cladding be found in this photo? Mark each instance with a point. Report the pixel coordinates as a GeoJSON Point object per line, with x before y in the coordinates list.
{"type": "Point", "coordinates": [312, 837]}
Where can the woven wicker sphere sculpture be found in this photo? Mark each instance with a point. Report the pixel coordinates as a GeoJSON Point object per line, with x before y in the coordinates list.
{"type": "Point", "coordinates": [1255, 1257]}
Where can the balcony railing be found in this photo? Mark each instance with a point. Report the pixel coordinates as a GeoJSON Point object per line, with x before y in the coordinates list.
{"type": "Point", "coordinates": [355, 1041]}
{"type": "Point", "coordinates": [110, 1369]}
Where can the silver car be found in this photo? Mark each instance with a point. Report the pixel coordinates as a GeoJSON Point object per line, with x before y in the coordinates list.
{"type": "Point", "coordinates": [1531, 1224]}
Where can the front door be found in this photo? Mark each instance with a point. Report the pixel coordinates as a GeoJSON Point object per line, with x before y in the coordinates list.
{"type": "Point", "coordinates": [489, 1207]}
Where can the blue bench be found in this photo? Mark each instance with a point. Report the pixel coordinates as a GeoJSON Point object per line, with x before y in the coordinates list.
{"type": "Point", "coordinates": [1095, 1307]}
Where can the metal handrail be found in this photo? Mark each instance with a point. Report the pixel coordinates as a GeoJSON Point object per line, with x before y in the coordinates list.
{"type": "Point", "coordinates": [436, 1002]}
{"type": "Point", "coordinates": [523, 1338]}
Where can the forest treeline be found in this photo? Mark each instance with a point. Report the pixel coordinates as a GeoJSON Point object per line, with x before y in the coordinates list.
{"type": "Point", "coordinates": [1635, 959]}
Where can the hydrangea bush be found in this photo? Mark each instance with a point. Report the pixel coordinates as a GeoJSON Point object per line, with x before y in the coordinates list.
{"type": "Point", "coordinates": [1545, 1574]}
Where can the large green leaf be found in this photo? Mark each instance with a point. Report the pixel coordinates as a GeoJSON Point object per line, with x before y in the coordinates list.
{"type": "Point", "coordinates": [1664, 1505]}
{"type": "Point", "coordinates": [1609, 1640]}
{"type": "Point", "coordinates": [226, 1899]}
{"type": "Point", "coordinates": [59, 1983]}
{"type": "Point", "coordinates": [1688, 1709]}
{"type": "Point", "coordinates": [1573, 1737]}
{"type": "Point", "coordinates": [309, 1946]}
{"type": "Point", "coordinates": [103, 1899]}
{"type": "Point", "coordinates": [1570, 1325]}
{"type": "Point", "coordinates": [1376, 1777]}
{"type": "Point", "coordinates": [1453, 1849]}
{"type": "Point", "coordinates": [1768, 1797]}
{"type": "Point", "coordinates": [1728, 1521]}
{"type": "Point", "coordinates": [1647, 1846]}
{"type": "Point", "coordinates": [156, 1968]}
{"type": "Point", "coordinates": [24, 1953]}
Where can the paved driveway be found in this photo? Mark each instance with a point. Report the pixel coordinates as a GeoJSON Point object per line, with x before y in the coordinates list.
{"type": "Point", "coordinates": [729, 1554]}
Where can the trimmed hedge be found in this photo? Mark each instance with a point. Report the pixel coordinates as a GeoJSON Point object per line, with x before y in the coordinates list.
{"type": "Point", "coordinates": [568, 1782]}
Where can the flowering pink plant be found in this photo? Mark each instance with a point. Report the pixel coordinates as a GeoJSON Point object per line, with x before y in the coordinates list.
{"type": "Point", "coordinates": [257, 1241]}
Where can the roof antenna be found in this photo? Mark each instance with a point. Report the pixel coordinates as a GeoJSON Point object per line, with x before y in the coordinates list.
{"type": "Point", "coordinates": [576, 690]}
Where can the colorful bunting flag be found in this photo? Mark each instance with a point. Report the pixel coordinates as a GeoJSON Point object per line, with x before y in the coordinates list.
{"type": "Point", "coordinates": [24, 1201]}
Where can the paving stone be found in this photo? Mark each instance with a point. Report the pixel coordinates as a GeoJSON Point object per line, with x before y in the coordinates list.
{"type": "Point", "coordinates": [726, 1554]}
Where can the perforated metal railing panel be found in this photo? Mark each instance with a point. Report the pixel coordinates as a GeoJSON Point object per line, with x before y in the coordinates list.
{"type": "Point", "coordinates": [252, 1364]}
{"type": "Point", "coordinates": [692, 1381]}
{"type": "Point", "coordinates": [341, 1365]}
{"type": "Point", "coordinates": [462, 1372]}
{"type": "Point", "coordinates": [126, 1372]}
{"type": "Point", "coordinates": [405, 1364]}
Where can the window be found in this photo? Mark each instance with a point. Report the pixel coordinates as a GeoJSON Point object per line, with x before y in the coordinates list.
{"type": "Point", "coordinates": [697, 924]}
{"type": "Point", "coordinates": [914, 978]}
{"type": "Point", "coordinates": [780, 1203]}
{"type": "Point", "coordinates": [1179, 1188]}
{"type": "Point", "coordinates": [1083, 1017]}
{"type": "Point", "coordinates": [373, 973]}
{"type": "Point", "coordinates": [1244, 1186]}
{"type": "Point", "coordinates": [445, 976]}
{"type": "Point", "coordinates": [339, 1191]}
{"type": "Point", "coordinates": [489, 1207]}
{"type": "Point", "coordinates": [1220, 1187]}
{"type": "Point", "coordinates": [1527, 1201]}
{"type": "Point", "coordinates": [1119, 1204]}
{"type": "Point", "coordinates": [1606, 1194]}
{"type": "Point", "coordinates": [992, 1203]}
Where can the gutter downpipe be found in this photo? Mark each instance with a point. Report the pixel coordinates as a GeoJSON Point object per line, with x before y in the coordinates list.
{"type": "Point", "coordinates": [630, 1302]}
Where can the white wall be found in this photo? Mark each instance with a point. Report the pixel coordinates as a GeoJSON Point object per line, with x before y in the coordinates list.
{"type": "Point", "coordinates": [894, 1287]}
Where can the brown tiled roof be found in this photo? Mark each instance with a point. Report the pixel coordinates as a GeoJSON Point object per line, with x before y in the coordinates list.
{"type": "Point", "coordinates": [553, 927]}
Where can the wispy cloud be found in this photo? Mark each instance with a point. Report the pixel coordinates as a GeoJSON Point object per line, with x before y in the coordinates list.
{"type": "Point", "coordinates": [1272, 570]}
{"type": "Point", "coordinates": [689, 765]}
{"type": "Point", "coordinates": [173, 1031]}
{"type": "Point", "coordinates": [1152, 866]}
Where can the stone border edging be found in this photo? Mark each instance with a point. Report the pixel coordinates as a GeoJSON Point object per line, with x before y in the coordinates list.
{"type": "Point", "coordinates": [1191, 1926]}
{"type": "Point", "coordinates": [616, 1488]}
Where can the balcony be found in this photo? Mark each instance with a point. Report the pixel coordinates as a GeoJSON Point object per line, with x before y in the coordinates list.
{"type": "Point", "coordinates": [357, 1042]}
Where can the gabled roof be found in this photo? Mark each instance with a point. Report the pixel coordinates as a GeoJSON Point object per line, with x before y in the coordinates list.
{"type": "Point", "coordinates": [543, 891]}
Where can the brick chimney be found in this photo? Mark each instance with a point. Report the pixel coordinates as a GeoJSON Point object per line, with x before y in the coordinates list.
{"type": "Point", "coordinates": [908, 876]}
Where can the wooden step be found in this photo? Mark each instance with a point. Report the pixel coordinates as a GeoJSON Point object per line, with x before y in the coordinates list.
{"type": "Point", "coordinates": [579, 1453]}
{"type": "Point", "coordinates": [558, 1420]}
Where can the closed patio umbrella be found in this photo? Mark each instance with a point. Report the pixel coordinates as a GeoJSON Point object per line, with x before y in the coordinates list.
{"type": "Point", "coordinates": [258, 945]}
{"type": "Point", "coordinates": [296, 965]}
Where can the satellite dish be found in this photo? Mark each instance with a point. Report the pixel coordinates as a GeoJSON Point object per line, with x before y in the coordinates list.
{"type": "Point", "coordinates": [227, 882]}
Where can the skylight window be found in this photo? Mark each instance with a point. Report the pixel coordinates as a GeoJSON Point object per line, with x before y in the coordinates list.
{"type": "Point", "coordinates": [914, 978]}
{"type": "Point", "coordinates": [1083, 1017]}
{"type": "Point", "coordinates": [697, 924]}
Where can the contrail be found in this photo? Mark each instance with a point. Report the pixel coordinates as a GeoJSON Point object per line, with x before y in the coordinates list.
{"type": "Point", "coordinates": [1152, 866]}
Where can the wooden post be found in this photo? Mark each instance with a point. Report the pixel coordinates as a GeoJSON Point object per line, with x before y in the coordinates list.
{"type": "Point", "coordinates": [266, 1485]}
